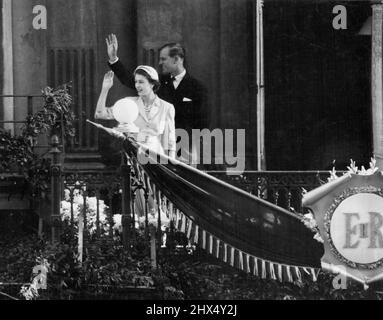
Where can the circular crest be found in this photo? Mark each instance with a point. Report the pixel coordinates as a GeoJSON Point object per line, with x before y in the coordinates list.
{"type": "Point", "coordinates": [353, 226]}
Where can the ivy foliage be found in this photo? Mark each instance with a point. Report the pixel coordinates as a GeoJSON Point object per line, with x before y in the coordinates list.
{"type": "Point", "coordinates": [54, 115]}
{"type": "Point", "coordinates": [18, 152]}
{"type": "Point", "coordinates": [108, 270]}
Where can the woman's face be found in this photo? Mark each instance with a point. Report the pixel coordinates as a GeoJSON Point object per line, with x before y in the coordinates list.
{"type": "Point", "coordinates": [143, 86]}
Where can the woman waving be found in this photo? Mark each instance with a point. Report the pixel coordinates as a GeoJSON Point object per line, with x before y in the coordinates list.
{"type": "Point", "coordinates": [156, 116]}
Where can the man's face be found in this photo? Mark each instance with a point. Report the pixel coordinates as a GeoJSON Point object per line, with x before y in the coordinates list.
{"type": "Point", "coordinates": [167, 64]}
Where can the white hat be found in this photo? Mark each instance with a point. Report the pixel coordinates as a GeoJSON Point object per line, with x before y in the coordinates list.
{"type": "Point", "coordinates": [150, 71]}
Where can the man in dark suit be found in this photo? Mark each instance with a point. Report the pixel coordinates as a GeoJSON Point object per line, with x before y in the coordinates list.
{"type": "Point", "coordinates": [178, 87]}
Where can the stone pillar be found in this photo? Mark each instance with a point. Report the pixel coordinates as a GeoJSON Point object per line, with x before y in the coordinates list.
{"type": "Point", "coordinates": [377, 82]}
{"type": "Point", "coordinates": [7, 89]}
{"type": "Point", "coordinates": [29, 56]}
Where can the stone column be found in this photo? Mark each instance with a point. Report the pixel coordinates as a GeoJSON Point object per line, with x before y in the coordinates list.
{"type": "Point", "coordinates": [377, 82]}
{"type": "Point", "coordinates": [29, 56]}
{"type": "Point", "coordinates": [8, 102]}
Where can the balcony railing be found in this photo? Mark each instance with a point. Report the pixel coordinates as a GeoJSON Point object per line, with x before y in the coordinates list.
{"type": "Point", "coordinates": [282, 188]}
{"type": "Point", "coordinates": [26, 103]}
{"type": "Point", "coordinates": [29, 101]}
{"type": "Point", "coordinates": [115, 193]}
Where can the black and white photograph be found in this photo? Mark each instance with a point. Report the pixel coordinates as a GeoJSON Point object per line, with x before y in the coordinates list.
{"type": "Point", "coordinates": [191, 155]}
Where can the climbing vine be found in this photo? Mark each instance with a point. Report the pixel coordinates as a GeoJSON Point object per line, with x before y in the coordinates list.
{"type": "Point", "coordinates": [18, 152]}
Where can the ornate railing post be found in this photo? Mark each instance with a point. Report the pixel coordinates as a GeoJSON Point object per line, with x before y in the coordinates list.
{"type": "Point", "coordinates": [153, 246]}
{"type": "Point", "coordinates": [126, 201]}
{"type": "Point", "coordinates": [55, 189]}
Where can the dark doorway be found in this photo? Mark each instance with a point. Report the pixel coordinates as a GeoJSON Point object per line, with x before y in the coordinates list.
{"type": "Point", "coordinates": [318, 90]}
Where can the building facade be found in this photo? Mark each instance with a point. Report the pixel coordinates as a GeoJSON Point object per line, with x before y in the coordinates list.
{"type": "Point", "coordinates": [318, 105]}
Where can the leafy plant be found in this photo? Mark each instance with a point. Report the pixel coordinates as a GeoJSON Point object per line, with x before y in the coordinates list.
{"type": "Point", "coordinates": [17, 153]}
{"type": "Point", "coordinates": [54, 116]}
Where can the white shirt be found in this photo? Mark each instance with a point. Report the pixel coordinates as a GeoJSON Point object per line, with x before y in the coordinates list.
{"type": "Point", "coordinates": [178, 78]}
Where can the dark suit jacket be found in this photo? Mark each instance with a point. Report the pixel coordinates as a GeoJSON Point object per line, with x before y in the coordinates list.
{"type": "Point", "coordinates": [189, 99]}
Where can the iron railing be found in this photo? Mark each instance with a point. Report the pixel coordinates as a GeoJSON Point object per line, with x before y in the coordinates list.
{"type": "Point", "coordinates": [118, 190]}
{"type": "Point", "coordinates": [29, 102]}
{"type": "Point", "coordinates": [282, 188]}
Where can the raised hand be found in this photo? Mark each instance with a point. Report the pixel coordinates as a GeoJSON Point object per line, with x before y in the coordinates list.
{"type": "Point", "coordinates": [108, 80]}
{"type": "Point", "coordinates": [112, 46]}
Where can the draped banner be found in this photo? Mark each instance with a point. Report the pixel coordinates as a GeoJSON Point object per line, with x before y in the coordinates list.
{"type": "Point", "coordinates": [236, 227]}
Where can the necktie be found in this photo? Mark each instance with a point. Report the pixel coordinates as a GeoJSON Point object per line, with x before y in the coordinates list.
{"type": "Point", "coordinates": [172, 79]}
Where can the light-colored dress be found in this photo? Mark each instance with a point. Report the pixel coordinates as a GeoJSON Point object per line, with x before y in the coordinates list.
{"type": "Point", "coordinates": [157, 127]}
{"type": "Point", "coordinates": [157, 133]}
